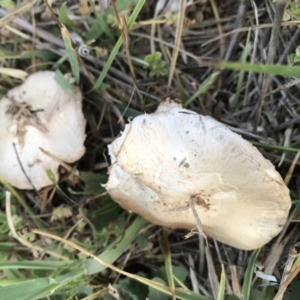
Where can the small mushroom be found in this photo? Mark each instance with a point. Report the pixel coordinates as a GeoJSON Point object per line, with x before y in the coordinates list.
{"type": "Point", "coordinates": [41, 125]}
{"type": "Point", "coordinates": [163, 160]}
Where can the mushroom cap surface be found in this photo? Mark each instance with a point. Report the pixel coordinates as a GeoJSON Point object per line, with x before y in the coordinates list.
{"type": "Point", "coordinates": [163, 159]}
{"type": "Point", "coordinates": [39, 114]}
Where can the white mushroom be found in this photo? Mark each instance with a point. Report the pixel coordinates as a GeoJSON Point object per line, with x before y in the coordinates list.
{"type": "Point", "coordinates": [163, 159]}
{"type": "Point", "coordinates": [35, 116]}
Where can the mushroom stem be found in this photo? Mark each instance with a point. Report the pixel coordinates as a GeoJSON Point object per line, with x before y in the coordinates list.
{"type": "Point", "coordinates": [22, 167]}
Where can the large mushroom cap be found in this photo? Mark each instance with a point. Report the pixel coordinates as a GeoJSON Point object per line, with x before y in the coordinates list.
{"type": "Point", "coordinates": [39, 114]}
{"type": "Point", "coordinates": [163, 159]}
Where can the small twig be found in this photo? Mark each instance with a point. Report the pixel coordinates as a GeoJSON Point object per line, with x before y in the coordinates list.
{"type": "Point", "coordinates": [114, 292]}
{"type": "Point", "coordinates": [113, 5]}
{"type": "Point", "coordinates": [280, 6]}
{"type": "Point", "coordinates": [236, 288]}
{"type": "Point", "coordinates": [193, 275]}
{"type": "Point", "coordinates": [181, 208]}
{"type": "Point", "coordinates": [177, 41]}
{"type": "Point", "coordinates": [293, 41]}
{"type": "Point", "coordinates": [55, 158]}
{"type": "Point", "coordinates": [34, 60]}
{"type": "Point", "coordinates": [95, 257]}
{"type": "Point", "coordinates": [35, 249]}
{"type": "Point", "coordinates": [240, 18]}
{"type": "Point", "coordinates": [287, 141]}
{"type": "Point", "coordinates": [212, 275]}
{"type": "Point", "coordinates": [286, 86]}
{"type": "Point", "coordinates": [280, 242]}
{"type": "Point", "coordinates": [234, 40]}
{"type": "Point", "coordinates": [253, 56]}
{"type": "Point", "coordinates": [153, 27]}
{"type": "Point", "coordinates": [261, 26]}
{"type": "Point", "coordinates": [170, 45]}
{"type": "Point", "coordinates": [288, 123]}
{"type": "Point", "coordinates": [288, 265]}
{"type": "Point", "coordinates": [20, 9]}
{"type": "Point", "coordinates": [22, 167]}
{"type": "Point", "coordinates": [219, 26]}
{"type": "Point", "coordinates": [70, 230]}
{"type": "Point", "coordinates": [291, 170]}
{"type": "Point", "coordinates": [288, 280]}
{"type": "Point", "coordinates": [125, 37]}
{"type": "Point", "coordinates": [12, 226]}
{"type": "Point", "coordinates": [197, 219]}
{"type": "Point", "coordinates": [53, 14]}
{"type": "Point", "coordinates": [127, 106]}
{"type": "Point", "coordinates": [86, 219]}
{"type": "Point", "coordinates": [124, 262]}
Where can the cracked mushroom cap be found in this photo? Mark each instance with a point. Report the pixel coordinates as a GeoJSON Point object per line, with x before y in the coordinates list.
{"type": "Point", "coordinates": [163, 159]}
{"type": "Point", "coordinates": [39, 115]}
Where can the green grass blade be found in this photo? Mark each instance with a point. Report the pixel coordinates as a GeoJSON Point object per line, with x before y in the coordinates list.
{"type": "Point", "coordinates": [203, 87]}
{"type": "Point", "coordinates": [275, 147]}
{"type": "Point", "coordinates": [117, 46]}
{"type": "Point", "coordinates": [19, 9]}
{"type": "Point", "coordinates": [9, 188]}
{"type": "Point", "coordinates": [7, 282]}
{"type": "Point", "coordinates": [71, 52]}
{"type": "Point", "coordinates": [241, 75]}
{"type": "Point", "coordinates": [43, 54]}
{"type": "Point", "coordinates": [179, 293]}
{"type": "Point", "coordinates": [296, 263]}
{"type": "Point", "coordinates": [33, 265]}
{"type": "Point", "coordinates": [221, 292]}
{"type": "Point", "coordinates": [261, 68]}
{"type": "Point", "coordinates": [64, 18]}
{"type": "Point", "coordinates": [246, 289]}
{"type": "Point", "coordinates": [188, 295]}
{"type": "Point", "coordinates": [27, 289]}
{"type": "Point", "coordinates": [47, 286]}
{"type": "Point", "coordinates": [168, 261]}
{"type": "Point", "coordinates": [100, 23]}
{"type": "Point", "coordinates": [106, 67]}
{"type": "Point", "coordinates": [63, 82]}
{"type": "Point", "coordinates": [52, 178]}
{"type": "Point", "coordinates": [44, 292]}
{"type": "Point", "coordinates": [90, 267]}
{"type": "Point", "coordinates": [115, 250]}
